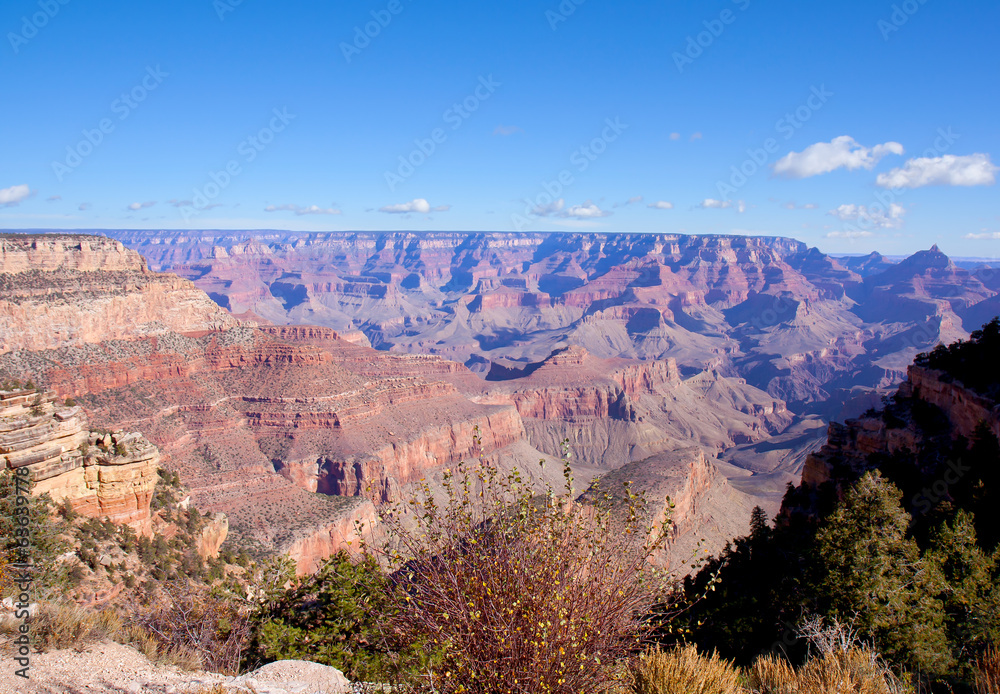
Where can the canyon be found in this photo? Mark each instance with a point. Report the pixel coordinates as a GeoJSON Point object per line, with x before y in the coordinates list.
{"type": "Point", "coordinates": [297, 382]}
{"type": "Point", "coordinates": [295, 432]}
{"type": "Point", "coordinates": [817, 332]}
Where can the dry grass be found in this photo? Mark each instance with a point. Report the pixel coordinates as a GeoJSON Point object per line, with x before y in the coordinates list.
{"type": "Point", "coordinates": [988, 672]}
{"type": "Point", "coordinates": [857, 670]}
{"type": "Point", "coordinates": [684, 670]}
{"type": "Point", "coordinates": [65, 625]}
{"type": "Point", "coordinates": [771, 674]}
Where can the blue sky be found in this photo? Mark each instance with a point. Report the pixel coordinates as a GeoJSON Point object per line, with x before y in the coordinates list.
{"type": "Point", "coordinates": [863, 125]}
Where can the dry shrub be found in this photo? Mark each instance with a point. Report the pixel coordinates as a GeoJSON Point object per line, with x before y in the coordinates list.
{"type": "Point", "coordinates": [854, 670]}
{"type": "Point", "coordinates": [988, 672]}
{"type": "Point", "coordinates": [513, 592]}
{"type": "Point", "coordinates": [684, 671]}
{"type": "Point", "coordinates": [190, 627]}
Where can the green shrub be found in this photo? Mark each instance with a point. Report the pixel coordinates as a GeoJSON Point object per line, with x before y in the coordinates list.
{"type": "Point", "coordinates": [329, 617]}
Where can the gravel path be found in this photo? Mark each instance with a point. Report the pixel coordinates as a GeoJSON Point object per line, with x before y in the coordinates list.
{"type": "Point", "coordinates": [111, 668]}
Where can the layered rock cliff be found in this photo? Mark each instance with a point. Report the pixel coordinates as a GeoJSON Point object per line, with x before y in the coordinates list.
{"type": "Point", "coordinates": [922, 436]}
{"type": "Point", "coordinates": [707, 511]}
{"type": "Point", "coordinates": [798, 324]}
{"type": "Point", "coordinates": [59, 291]}
{"type": "Point", "coordinates": [101, 475]}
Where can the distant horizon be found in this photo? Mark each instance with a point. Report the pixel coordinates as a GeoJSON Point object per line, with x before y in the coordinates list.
{"type": "Point", "coordinates": [887, 256]}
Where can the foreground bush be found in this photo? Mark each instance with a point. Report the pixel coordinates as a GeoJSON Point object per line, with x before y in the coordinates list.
{"type": "Point", "coordinates": [330, 618]}
{"type": "Point", "coordinates": [521, 593]}
{"type": "Point", "coordinates": [189, 626]}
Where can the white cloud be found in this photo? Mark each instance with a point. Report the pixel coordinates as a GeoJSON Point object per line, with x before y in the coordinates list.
{"type": "Point", "coordinates": [849, 235]}
{"type": "Point", "coordinates": [53, 198]}
{"type": "Point", "coordinates": [661, 205]}
{"type": "Point", "coordinates": [418, 205]}
{"type": "Point", "coordinates": [141, 205]}
{"type": "Point", "coordinates": [886, 219]}
{"type": "Point", "coordinates": [947, 170]}
{"type": "Point", "coordinates": [991, 235]}
{"type": "Point", "coordinates": [824, 157]}
{"type": "Point", "coordinates": [549, 209]}
{"type": "Point", "coordinates": [14, 194]}
{"type": "Point", "coordinates": [631, 201]}
{"type": "Point", "coordinates": [710, 203]}
{"type": "Point", "coordinates": [675, 136]}
{"type": "Point", "coordinates": [696, 136]}
{"type": "Point", "coordinates": [587, 210]}
{"type": "Point", "coordinates": [299, 210]}
{"type": "Point", "coordinates": [810, 206]}
{"type": "Point", "coordinates": [84, 206]}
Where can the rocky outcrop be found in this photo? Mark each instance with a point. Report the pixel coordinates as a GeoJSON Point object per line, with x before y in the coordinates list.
{"type": "Point", "coordinates": [212, 536]}
{"type": "Point", "coordinates": [309, 552]}
{"type": "Point", "coordinates": [851, 447]}
{"type": "Point", "coordinates": [707, 512]}
{"type": "Point", "coordinates": [61, 290]}
{"type": "Point", "coordinates": [101, 475]}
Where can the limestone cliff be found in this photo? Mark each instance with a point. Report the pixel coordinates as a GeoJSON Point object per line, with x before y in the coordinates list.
{"type": "Point", "coordinates": [62, 290]}
{"type": "Point", "coordinates": [101, 475]}
{"type": "Point", "coordinates": [921, 436]}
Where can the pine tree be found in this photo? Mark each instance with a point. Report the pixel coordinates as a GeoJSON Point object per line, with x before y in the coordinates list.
{"type": "Point", "coordinates": [971, 596]}
{"type": "Point", "coordinates": [871, 575]}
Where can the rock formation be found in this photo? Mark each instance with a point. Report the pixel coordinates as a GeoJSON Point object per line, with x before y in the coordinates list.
{"type": "Point", "coordinates": [100, 474]}
{"type": "Point", "coordinates": [274, 425]}
{"type": "Point", "coordinates": [802, 326]}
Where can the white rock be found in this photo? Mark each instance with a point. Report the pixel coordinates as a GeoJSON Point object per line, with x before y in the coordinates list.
{"type": "Point", "coordinates": [313, 677]}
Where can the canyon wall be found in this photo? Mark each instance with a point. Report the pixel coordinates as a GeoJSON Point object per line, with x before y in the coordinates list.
{"type": "Point", "coordinates": [802, 326]}
{"type": "Point", "coordinates": [101, 475]}
{"type": "Point", "coordinates": [61, 291]}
